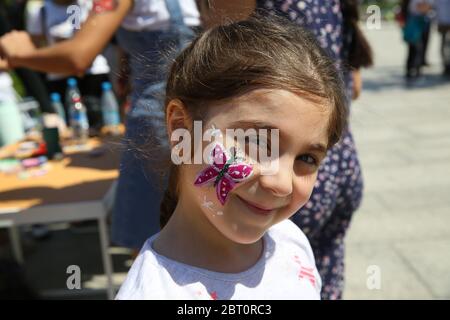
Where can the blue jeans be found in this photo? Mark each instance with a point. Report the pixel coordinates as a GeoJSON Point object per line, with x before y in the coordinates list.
{"type": "Point", "coordinates": [139, 190]}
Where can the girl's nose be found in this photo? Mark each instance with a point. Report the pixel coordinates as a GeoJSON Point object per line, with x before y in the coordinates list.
{"type": "Point", "coordinates": [279, 183]}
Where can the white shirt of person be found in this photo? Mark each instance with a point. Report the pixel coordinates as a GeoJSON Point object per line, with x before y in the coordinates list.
{"type": "Point", "coordinates": [151, 15]}
{"type": "Point", "coordinates": [285, 270]}
{"type": "Point", "coordinates": [56, 24]}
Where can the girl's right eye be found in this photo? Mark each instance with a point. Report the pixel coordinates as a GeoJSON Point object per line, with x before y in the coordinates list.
{"type": "Point", "coordinates": [308, 159]}
{"type": "Point", "coordinates": [306, 164]}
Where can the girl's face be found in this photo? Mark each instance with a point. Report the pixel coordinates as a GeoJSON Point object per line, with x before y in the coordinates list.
{"type": "Point", "coordinates": [260, 201]}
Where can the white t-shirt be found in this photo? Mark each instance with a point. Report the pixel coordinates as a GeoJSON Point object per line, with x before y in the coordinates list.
{"type": "Point", "coordinates": [60, 25]}
{"type": "Point", "coordinates": [286, 270]}
{"type": "Point", "coordinates": [150, 15]}
{"type": "Point", "coordinates": [7, 93]}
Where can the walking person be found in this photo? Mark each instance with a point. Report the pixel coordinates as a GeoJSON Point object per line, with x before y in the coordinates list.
{"type": "Point", "coordinates": [414, 34]}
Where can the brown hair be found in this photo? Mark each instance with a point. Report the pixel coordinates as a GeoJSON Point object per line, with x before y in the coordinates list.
{"type": "Point", "coordinates": [228, 61]}
{"type": "Point", "coordinates": [359, 52]}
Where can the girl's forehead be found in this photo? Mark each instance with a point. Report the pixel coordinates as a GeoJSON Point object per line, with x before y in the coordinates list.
{"type": "Point", "coordinates": [296, 118]}
{"type": "Point", "coordinates": [272, 107]}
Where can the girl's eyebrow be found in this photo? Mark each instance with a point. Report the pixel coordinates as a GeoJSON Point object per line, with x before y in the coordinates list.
{"type": "Point", "coordinates": [318, 147]}
{"type": "Point", "coordinates": [244, 124]}
{"type": "Point", "coordinates": [241, 124]}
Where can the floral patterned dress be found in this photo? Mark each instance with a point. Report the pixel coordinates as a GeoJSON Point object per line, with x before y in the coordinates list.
{"type": "Point", "coordinates": [338, 190]}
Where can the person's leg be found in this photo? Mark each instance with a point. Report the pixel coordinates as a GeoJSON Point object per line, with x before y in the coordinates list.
{"type": "Point", "coordinates": [410, 72]}
{"type": "Point", "coordinates": [414, 60]}
{"type": "Point", "coordinates": [418, 57]}
{"type": "Point", "coordinates": [444, 67]}
{"type": "Point", "coordinates": [425, 40]}
{"type": "Point", "coordinates": [139, 192]}
{"type": "Point", "coordinates": [445, 50]}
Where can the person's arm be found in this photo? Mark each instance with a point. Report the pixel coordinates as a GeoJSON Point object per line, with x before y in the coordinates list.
{"type": "Point", "coordinates": [73, 56]}
{"type": "Point", "coordinates": [357, 83]}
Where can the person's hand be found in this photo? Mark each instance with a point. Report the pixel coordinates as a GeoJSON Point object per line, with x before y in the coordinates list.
{"type": "Point", "coordinates": [357, 84]}
{"type": "Point", "coordinates": [4, 65]}
{"type": "Point", "coordinates": [15, 44]}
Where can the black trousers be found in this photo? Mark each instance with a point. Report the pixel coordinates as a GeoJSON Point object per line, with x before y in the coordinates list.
{"type": "Point", "coordinates": [415, 56]}
{"type": "Point", "coordinates": [445, 48]}
{"type": "Point", "coordinates": [425, 38]}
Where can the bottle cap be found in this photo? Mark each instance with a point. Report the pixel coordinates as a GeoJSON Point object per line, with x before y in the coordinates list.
{"type": "Point", "coordinates": [106, 86]}
{"type": "Point", "coordinates": [55, 97]}
{"type": "Point", "coordinates": [72, 82]}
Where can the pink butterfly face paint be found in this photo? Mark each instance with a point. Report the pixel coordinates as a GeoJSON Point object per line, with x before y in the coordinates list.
{"type": "Point", "coordinates": [224, 172]}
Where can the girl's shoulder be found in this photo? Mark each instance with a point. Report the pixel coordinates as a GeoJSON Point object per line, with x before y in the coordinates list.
{"type": "Point", "coordinates": [290, 238]}
{"type": "Point", "coordinates": [287, 231]}
{"type": "Point", "coordinates": [145, 270]}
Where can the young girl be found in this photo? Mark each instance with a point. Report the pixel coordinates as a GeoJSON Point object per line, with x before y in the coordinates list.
{"type": "Point", "coordinates": [228, 236]}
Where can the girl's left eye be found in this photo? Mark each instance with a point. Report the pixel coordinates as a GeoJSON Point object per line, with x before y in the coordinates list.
{"type": "Point", "coordinates": [310, 160]}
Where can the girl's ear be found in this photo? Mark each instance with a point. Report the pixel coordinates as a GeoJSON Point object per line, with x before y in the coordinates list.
{"type": "Point", "coordinates": [177, 117]}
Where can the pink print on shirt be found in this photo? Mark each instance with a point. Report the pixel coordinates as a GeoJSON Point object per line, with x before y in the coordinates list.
{"type": "Point", "coordinates": [213, 295]}
{"type": "Point", "coordinates": [305, 272]}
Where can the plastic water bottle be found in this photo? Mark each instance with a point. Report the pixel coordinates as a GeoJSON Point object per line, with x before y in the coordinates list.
{"type": "Point", "coordinates": [71, 91]}
{"type": "Point", "coordinates": [79, 120]}
{"type": "Point", "coordinates": [110, 109]}
{"type": "Point", "coordinates": [57, 105]}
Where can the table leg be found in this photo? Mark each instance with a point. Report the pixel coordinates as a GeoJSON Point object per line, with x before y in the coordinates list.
{"type": "Point", "coordinates": [14, 236]}
{"type": "Point", "coordinates": [107, 262]}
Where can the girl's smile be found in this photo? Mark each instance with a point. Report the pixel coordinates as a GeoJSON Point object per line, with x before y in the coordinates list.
{"type": "Point", "coordinates": [256, 208]}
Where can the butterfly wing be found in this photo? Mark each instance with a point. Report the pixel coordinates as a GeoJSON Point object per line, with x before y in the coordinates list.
{"type": "Point", "coordinates": [223, 188]}
{"type": "Point", "coordinates": [206, 175]}
{"type": "Point", "coordinates": [240, 171]}
{"type": "Point", "coordinates": [218, 158]}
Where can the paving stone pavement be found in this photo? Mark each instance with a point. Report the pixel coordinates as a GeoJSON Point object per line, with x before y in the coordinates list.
{"type": "Point", "coordinates": [403, 138]}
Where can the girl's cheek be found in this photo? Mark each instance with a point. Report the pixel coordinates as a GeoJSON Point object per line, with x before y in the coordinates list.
{"type": "Point", "coordinates": [205, 196]}
{"type": "Point", "coordinates": [303, 188]}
